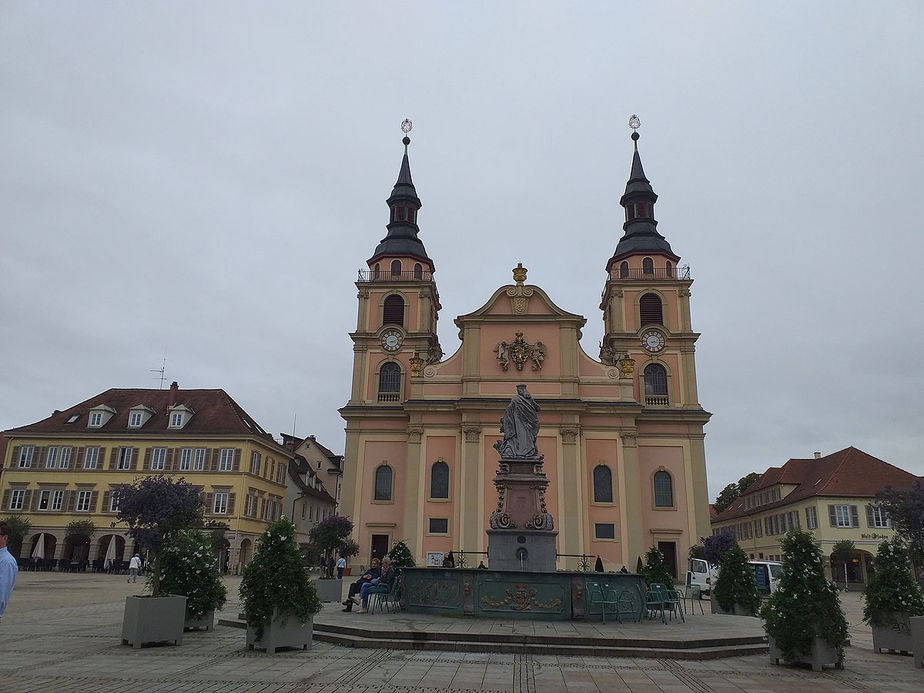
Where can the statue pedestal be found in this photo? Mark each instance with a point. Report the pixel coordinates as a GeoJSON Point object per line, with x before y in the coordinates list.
{"type": "Point", "coordinates": [530, 550]}
{"type": "Point", "coordinates": [522, 535]}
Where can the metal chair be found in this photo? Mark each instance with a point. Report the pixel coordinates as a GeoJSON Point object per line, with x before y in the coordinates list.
{"type": "Point", "coordinates": [389, 600]}
{"type": "Point", "coordinates": [673, 601]}
{"type": "Point", "coordinates": [694, 594]}
{"type": "Point", "coordinates": [604, 595]}
{"type": "Point", "coordinates": [654, 600]}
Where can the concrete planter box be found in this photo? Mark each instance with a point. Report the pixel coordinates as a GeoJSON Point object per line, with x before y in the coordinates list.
{"type": "Point", "coordinates": [329, 590]}
{"type": "Point", "coordinates": [153, 619]}
{"type": "Point", "coordinates": [895, 636]}
{"type": "Point", "coordinates": [822, 655]}
{"type": "Point", "coordinates": [738, 610]}
{"type": "Point", "coordinates": [206, 621]}
{"type": "Point", "coordinates": [916, 625]}
{"type": "Point", "coordinates": [282, 631]}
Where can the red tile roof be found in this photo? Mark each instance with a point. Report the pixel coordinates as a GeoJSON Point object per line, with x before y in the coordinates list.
{"type": "Point", "coordinates": [848, 473]}
{"type": "Point", "coordinates": [216, 413]}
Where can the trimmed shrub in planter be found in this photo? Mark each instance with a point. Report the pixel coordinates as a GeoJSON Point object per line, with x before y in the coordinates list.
{"type": "Point", "coordinates": [278, 597]}
{"type": "Point", "coordinates": [735, 590]}
{"type": "Point", "coordinates": [156, 509]}
{"type": "Point", "coordinates": [892, 596]}
{"type": "Point", "coordinates": [655, 569]}
{"type": "Point", "coordinates": [190, 568]}
{"type": "Point", "coordinates": [805, 607]}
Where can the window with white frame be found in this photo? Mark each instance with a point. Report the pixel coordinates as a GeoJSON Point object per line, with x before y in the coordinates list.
{"type": "Point", "coordinates": [83, 501]}
{"type": "Point", "coordinates": [114, 502]}
{"type": "Point", "coordinates": [135, 419]}
{"type": "Point", "coordinates": [226, 462]}
{"type": "Point", "coordinates": [65, 460]}
{"type": "Point", "coordinates": [199, 460]}
{"type": "Point", "coordinates": [44, 499]}
{"type": "Point", "coordinates": [250, 505]}
{"type": "Point", "coordinates": [125, 458]}
{"type": "Point", "coordinates": [185, 459]}
{"type": "Point", "coordinates": [220, 505]}
{"type": "Point", "coordinates": [176, 419]}
{"type": "Point", "coordinates": [159, 459]}
{"type": "Point", "coordinates": [17, 498]}
{"type": "Point", "coordinates": [811, 518]}
{"type": "Point", "coordinates": [281, 473]}
{"type": "Point", "coordinates": [51, 458]}
{"type": "Point", "coordinates": [26, 453]}
{"type": "Point", "coordinates": [57, 499]}
{"type": "Point", "coordinates": [255, 463]}
{"type": "Point", "coordinates": [841, 516]}
{"type": "Point", "coordinates": [95, 420]}
{"type": "Point", "coordinates": [878, 517]}
{"type": "Point", "coordinates": [91, 457]}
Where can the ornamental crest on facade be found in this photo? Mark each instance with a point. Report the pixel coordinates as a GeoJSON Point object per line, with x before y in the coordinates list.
{"type": "Point", "coordinates": [519, 351]}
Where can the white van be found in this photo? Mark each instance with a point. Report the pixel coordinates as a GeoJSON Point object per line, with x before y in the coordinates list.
{"type": "Point", "coordinates": [701, 574]}
{"type": "Point", "coordinates": [767, 574]}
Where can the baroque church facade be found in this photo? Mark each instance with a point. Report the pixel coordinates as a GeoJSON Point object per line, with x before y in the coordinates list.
{"type": "Point", "coordinates": [621, 434]}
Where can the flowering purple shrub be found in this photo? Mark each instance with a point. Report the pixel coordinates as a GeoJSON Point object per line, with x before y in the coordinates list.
{"type": "Point", "coordinates": [155, 508]}
{"type": "Point", "coordinates": [714, 547]}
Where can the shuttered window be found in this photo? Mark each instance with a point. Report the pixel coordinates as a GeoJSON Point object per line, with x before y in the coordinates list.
{"type": "Point", "coordinates": [393, 310]}
{"type": "Point", "coordinates": [650, 311]}
{"type": "Point", "coordinates": [843, 516]}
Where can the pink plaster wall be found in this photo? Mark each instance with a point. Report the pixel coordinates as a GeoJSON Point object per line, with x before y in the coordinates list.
{"type": "Point", "coordinates": [605, 451]}
{"type": "Point", "coordinates": [444, 448]}
{"type": "Point", "coordinates": [651, 459]}
{"type": "Point", "coordinates": [375, 452]}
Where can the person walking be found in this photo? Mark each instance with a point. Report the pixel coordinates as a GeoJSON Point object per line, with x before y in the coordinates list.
{"type": "Point", "coordinates": [8, 568]}
{"type": "Point", "coordinates": [134, 566]}
{"type": "Point", "coordinates": [341, 566]}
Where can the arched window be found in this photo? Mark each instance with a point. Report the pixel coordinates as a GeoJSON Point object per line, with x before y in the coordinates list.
{"type": "Point", "coordinates": [655, 384]}
{"type": "Point", "coordinates": [624, 270]}
{"type": "Point", "coordinates": [389, 382]}
{"type": "Point", "coordinates": [396, 268]}
{"type": "Point", "coordinates": [383, 483]}
{"type": "Point", "coordinates": [670, 269]}
{"type": "Point", "coordinates": [418, 271]}
{"type": "Point", "coordinates": [376, 271]}
{"type": "Point", "coordinates": [649, 310]}
{"type": "Point", "coordinates": [648, 266]}
{"type": "Point", "coordinates": [393, 310]}
{"type": "Point", "coordinates": [439, 480]}
{"type": "Point", "coordinates": [663, 490]}
{"type": "Point", "coordinates": [603, 484]}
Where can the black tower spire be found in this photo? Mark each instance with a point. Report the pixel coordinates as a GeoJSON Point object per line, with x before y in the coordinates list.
{"type": "Point", "coordinates": [403, 205]}
{"type": "Point", "coordinates": [640, 230]}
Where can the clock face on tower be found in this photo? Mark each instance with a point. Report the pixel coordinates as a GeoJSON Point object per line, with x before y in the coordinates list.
{"type": "Point", "coordinates": [653, 340]}
{"type": "Point", "coordinates": [391, 340]}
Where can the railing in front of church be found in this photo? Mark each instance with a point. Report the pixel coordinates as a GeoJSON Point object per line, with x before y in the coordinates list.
{"type": "Point", "coordinates": [389, 276]}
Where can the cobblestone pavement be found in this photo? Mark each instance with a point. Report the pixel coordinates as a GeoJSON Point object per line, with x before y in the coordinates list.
{"type": "Point", "coordinates": [62, 633]}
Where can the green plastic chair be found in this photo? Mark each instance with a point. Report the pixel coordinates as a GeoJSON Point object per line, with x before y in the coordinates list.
{"type": "Point", "coordinates": [604, 595]}
{"type": "Point", "coordinates": [387, 601]}
{"type": "Point", "coordinates": [654, 600]}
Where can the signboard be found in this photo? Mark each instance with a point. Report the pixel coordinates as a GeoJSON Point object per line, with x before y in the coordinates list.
{"type": "Point", "coordinates": [434, 559]}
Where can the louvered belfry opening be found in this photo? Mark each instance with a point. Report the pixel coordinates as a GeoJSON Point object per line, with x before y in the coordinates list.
{"type": "Point", "coordinates": [389, 382]}
{"type": "Point", "coordinates": [650, 312]}
{"type": "Point", "coordinates": [393, 311]}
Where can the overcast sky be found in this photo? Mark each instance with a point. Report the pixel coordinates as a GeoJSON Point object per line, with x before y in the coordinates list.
{"type": "Point", "coordinates": [199, 182]}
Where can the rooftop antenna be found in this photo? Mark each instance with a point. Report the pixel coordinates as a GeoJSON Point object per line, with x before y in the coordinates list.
{"type": "Point", "coordinates": [294, 422]}
{"type": "Point", "coordinates": [162, 370]}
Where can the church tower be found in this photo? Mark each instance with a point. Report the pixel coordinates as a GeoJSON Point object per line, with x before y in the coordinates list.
{"type": "Point", "coordinates": [395, 336]}
{"type": "Point", "coordinates": [646, 317]}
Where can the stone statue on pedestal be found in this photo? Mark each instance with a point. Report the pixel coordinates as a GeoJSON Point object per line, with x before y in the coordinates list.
{"type": "Point", "coordinates": [520, 427]}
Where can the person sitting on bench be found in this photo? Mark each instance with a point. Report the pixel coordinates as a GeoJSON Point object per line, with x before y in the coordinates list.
{"type": "Point", "coordinates": [374, 571]}
{"type": "Point", "coordinates": [379, 584]}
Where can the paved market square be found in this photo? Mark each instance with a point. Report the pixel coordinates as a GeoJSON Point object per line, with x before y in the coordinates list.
{"type": "Point", "coordinates": [61, 632]}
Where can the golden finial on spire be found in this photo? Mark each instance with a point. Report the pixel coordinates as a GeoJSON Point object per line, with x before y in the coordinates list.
{"type": "Point", "coordinates": [519, 274]}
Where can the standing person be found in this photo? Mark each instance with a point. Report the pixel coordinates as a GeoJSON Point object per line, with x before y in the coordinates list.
{"type": "Point", "coordinates": [341, 565]}
{"type": "Point", "coordinates": [8, 568]}
{"type": "Point", "coordinates": [134, 566]}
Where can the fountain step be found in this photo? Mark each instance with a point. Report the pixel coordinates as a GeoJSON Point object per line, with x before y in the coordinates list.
{"type": "Point", "coordinates": [680, 648]}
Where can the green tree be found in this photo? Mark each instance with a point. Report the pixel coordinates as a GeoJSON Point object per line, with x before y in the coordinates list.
{"type": "Point", "coordinates": [891, 590]}
{"type": "Point", "coordinates": [905, 508]}
{"type": "Point", "coordinates": [655, 568]}
{"type": "Point", "coordinates": [275, 581]}
{"type": "Point", "coordinates": [805, 603]}
{"type": "Point", "coordinates": [331, 534]}
{"type": "Point", "coordinates": [842, 554]}
{"type": "Point", "coordinates": [401, 556]}
{"type": "Point", "coordinates": [736, 583]}
{"type": "Point", "coordinates": [733, 491]}
{"type": "Point", "coordinates": [77, 536]}
{"type": "Point", "coordinates": [19, 528]}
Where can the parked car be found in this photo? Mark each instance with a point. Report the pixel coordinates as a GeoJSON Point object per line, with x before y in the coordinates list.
{"type": "Point", "coordinates": [701, 574]}
{"type": "Point", "coordinates": [767, 574]}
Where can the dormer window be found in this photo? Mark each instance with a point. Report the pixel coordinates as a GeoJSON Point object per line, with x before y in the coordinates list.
{"type": "Point", "coordinates": [73, 417]}
{"type": "Point", "coordinates": [99, 416]}
{"type": "Point", "coordinates": [179, 416]}
{"type": "Point", "coordinates": [139, 416]}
